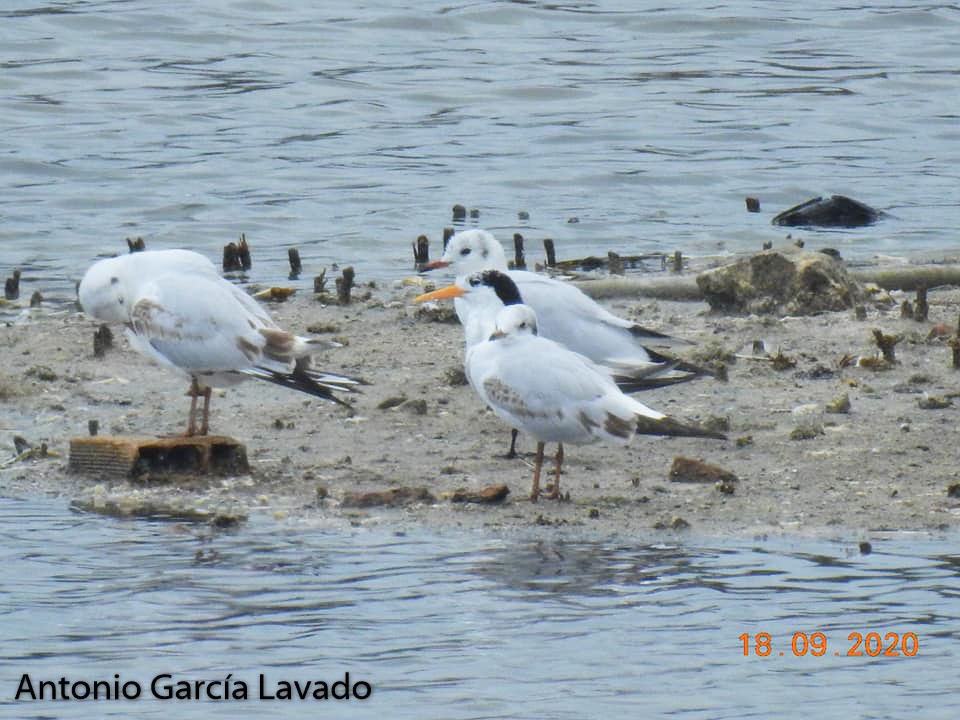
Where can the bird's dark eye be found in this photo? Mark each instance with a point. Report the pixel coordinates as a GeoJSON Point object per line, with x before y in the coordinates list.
{"type": "Point", "coordinates": [465, 251]}
{"type": "Point", "coordinates": [474, 281]}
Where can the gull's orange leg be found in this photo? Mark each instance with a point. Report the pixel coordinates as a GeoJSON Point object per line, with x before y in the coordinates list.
{"type": "Point", "coordinates": [205, 418]}
{"type": "Point", "coordinates": [558, 462]}
{"type": "Point", "coordinates": [193, 392]}
{"type": "Point", "coordinates": [535, 490]}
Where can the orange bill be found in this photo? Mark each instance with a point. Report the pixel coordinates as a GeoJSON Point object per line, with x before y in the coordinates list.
{"type": "Point", "coordinates": [435, 264]}
{"type": "Point", "coordinates": [451, 291]}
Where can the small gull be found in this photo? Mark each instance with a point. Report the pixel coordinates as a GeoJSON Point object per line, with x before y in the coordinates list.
{"type": "Point", "coordinates": [180, 313]}
{"type": "Point", "coordinates": [557, 395]}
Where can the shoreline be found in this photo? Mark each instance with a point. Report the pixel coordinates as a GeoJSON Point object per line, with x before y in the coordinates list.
{"type": "Point", "coordinates": [881, 467]}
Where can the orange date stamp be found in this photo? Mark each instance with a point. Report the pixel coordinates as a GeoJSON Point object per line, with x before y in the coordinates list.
{"type": "Point", "coordinates": [871, 644]}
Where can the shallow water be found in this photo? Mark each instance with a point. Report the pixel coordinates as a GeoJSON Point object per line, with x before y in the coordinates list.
{"type": "Point", "coordinates": [465, 626]}
{"type": "Point", "coordinates": [348, 129]}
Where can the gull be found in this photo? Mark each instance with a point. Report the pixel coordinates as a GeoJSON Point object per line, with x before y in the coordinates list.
{"type": "Point", "coordinates": [556, 395]}
{"type": "Point", "coordinates": [565, 313]}
{"type": "Point", "coordinates": [181, 314]}
{"type": "Point", "coordinates": [480, 296]}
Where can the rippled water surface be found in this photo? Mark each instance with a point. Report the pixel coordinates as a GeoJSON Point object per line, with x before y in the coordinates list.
{"type": "Point", "coordinates": [461, 626]}
{"type": "Point", "coordinates": [347, 129]}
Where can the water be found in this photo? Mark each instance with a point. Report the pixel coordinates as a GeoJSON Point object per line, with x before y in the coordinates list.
{"type": "Point", "coordinates": [465, 626]}
{"type": "Point", "coordinates": [348, 129]}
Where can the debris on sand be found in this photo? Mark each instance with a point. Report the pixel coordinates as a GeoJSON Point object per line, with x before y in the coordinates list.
{"type": "Point", "coordinates": [775, 282]}
{"type": "Point", "coordinates": [689, 470]}
{"type": "Point", "coordinates": [489, 495]}
{"type": "Point", "coordinates": [394, 497]}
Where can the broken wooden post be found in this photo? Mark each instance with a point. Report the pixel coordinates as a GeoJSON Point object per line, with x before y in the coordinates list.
{"type": "Point", "coordinates": [459, 213]}
{"type": "Point", "coordinates": [293, 255]}
{"type": "Point", "coordinates": [344, 285]}
{"type": "Point", "coordinates": [678, 262]}
{"type": "Point", "coordinates": [11, 290]}
{"type": "Point", "coordinates": [551, 253]}
{"type": "Point", "coordinates": [886, 343]}
{"type": "Point", "coordinates": [519, 261]}
{"type": "Point", "coordinates": [320, 282]}
{"type": "Point", "coordinates": [102, 341]}
{"type": "Point", "coordinates": [448, 233]}
{"type": "Point", "coordinates": [243, 249]}
{"type": "Point", "coordinates": [753, 204]}
{"type": "Point", "coordinates": [421, 252]}
{"type": "Point", "coordinates": [93, 427]}
{"type": "Point", "coordinates": [921, 308]}
{"type": "Point", "coordinates": [136, 244]}
{"type": "Point", "coordinates": [906, 310]}
{"type": "Point", "coordinates": [36, 299]}
{"type": "Point", "coordinates": [614, 263]}
{"type": "Point", "coordinates": [231, 258]}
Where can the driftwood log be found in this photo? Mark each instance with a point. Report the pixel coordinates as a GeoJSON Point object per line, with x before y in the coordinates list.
{"type": "Point", "coordinates": [907, 278]}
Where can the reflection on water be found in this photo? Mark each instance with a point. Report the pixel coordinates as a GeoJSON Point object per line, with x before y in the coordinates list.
{"type": "Point", "coordinates": [471, 626]}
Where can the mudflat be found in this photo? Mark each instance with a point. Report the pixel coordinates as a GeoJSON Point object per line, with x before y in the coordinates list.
{"type": "Point", "coordinates": [824, 437]}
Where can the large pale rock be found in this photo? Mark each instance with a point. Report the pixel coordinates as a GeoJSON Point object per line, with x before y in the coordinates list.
{"type": "Point", "coordinates": [795, 283]}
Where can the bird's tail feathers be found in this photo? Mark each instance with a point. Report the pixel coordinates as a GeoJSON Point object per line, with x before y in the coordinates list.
{"type": "Point", "coordinates": [679, 363]}
{"type": "Point", "coordinates": [665, 425]}
{"type": "Point", "coordinates": [313, 382]}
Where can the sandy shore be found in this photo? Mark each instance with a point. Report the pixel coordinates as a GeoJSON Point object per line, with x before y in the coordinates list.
{"type": "Point", "coordinates": [886, 464]}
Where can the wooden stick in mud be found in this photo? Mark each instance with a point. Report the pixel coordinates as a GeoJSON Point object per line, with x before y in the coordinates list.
{"type": "Point", "coordinates": [614, 263]}
{"type": "Point", "coordinates": [678, 262]}
{"type": "Point", "coordinates": [295, 266]}
{"type": "Point", "coordinates": [421, 252]}
{"type": "Point", "coordinates": [459, 212]}
{"type": "Point", "coordinates": [11, 289]}
{"type": "Point", "coordinates": [231, 258]}
{"type": "Point", "coordinates": [550, 251]}
{"type": "Point", "coordinates": [344, 285]}
{"type": "Point", "coordinates": [921, 310]}
{"type": "Point", "coordinates": [448, 232]}
{"type": "Point", "coordinates": [320, 282]}
{"type": "Point", "coordinates": [243, 249]}
{"type": "Point", "coordinates": [519, 261]}
{"type": "Point", "coordinates": [136, 244]}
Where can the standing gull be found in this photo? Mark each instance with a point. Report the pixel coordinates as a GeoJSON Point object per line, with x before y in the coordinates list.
{"type": "Point", "coordinates": [565, 314]}
{"type": "Point", "coordinates": [554, 394]}
{"type": "Point", "coordinates": [181, 314]}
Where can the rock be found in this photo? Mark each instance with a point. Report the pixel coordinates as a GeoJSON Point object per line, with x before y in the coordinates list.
{"type": "Point", "coordinates": [836, 211]}
{"type": "Point", "coordinates": [394, 497]}
{"type": "Point", "coordinates": [488, 495]}
{"type": "Point", "coordinates": [791, 282]}
{"type": "Point", "coordinates": [840, 404]}
{"type": "Point", "coordinates": [391, 402]}
{"type": "Point", "coordinates": [697, 471]}
{"type": "Point", "coordinates": [933, 402]}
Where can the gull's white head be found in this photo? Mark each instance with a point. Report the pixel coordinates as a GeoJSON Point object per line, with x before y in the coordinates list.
{"type": "Point", "coordinates": [515, 321]}
{"type": "Point", "coordinates": [471, 251]}
{"type": "Point", "coordinates": [105, 293]}
{"type": "Point", "coordinates": [111, 286]}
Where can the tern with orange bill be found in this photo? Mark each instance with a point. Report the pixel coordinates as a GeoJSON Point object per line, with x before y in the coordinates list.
{"type": "Point", "coordinates": [554, 394]}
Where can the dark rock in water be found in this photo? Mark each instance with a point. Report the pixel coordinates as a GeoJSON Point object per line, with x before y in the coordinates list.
{"type": "Point", "coordinates": [837, 211]}
{"type": "Point", "coordinates": [795, 283]}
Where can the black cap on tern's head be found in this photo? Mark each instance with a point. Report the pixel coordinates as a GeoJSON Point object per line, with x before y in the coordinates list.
{"type": "Point", "coordinates": [505, 288]}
